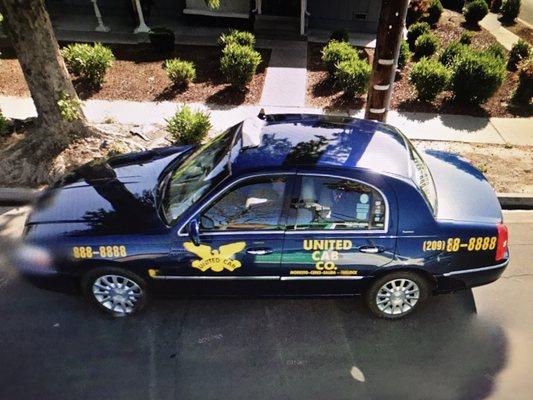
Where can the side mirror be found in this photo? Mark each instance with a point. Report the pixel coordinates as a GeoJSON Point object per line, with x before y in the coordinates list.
{"type": "Point", "coordinates": [194, 232]}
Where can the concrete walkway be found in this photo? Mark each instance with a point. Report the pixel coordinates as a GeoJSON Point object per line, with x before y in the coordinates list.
{"type": "Point", "coordinates": [422, 126]}
{"type": "Point", "coordinates": [504, 36]}
{"type": "Point", "coordinates": [286, 77]}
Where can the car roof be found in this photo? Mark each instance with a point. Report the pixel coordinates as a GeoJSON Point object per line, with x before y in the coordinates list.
{"type": "Point", "coordinates": [308, 140]}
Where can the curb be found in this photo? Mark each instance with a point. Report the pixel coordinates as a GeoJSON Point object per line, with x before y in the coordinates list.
{"type": "Point", "coordinates": [17, 196]}
{"type": "Point", "coordinates": [21, 196]}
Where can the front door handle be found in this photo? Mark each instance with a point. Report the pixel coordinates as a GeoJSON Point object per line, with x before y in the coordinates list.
{"type": "Point", "coordinates": [370, 249]}
{"type": "Point", "coordinates": [259, 251]}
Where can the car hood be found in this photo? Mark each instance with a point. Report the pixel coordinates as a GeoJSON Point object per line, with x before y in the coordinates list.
{"type": "Point", "coordinates": [111, 196]}
{"type": "Point", "coordinates": [463, 192]}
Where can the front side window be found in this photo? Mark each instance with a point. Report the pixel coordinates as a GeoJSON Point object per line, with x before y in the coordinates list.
{"type": "Point", "coordinates": [200, 172]}
{"type": "Point", "coordinates": [249, 206]}
{"type": "Point", "coordinates": [327, 203]}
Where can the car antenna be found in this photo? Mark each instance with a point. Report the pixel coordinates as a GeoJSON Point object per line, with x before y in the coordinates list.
{"type": "Point", "coordinates": [261, 114]}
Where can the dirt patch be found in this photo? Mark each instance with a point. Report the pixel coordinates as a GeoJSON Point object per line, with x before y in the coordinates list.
{"type": "Point", "coordinates": [112, 139]}
{"type": "Point", "coordinates": [138, 75]}
{"type": "Point", "coordinates": [522, 31]}
{"type": "Point", "coordinates": [508, 169]}
{"type": "Point", "coordinates": [321, 91]}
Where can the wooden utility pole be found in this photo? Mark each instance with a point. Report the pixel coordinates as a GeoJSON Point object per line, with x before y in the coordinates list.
{"type": "Point", "coordinates": [389, 36]}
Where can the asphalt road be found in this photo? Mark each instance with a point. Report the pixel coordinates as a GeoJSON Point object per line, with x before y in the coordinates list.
{"type": "Point", "coordinates": [461, 346]}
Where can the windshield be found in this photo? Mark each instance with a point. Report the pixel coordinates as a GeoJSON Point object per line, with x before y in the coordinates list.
{"type": "Point", "coordinates": [200, 172]}
{"type": "Point", "coordinates": [422, 178]}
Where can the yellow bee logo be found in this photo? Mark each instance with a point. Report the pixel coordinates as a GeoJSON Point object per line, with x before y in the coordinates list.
{"type": "Point", "coordinates": [216, 260]}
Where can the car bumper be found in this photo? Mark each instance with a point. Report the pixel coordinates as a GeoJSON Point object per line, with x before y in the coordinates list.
{"type": "Point", "coordinates": [463, 279]}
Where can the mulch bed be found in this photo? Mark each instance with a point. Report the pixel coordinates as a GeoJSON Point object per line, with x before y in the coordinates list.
{"type": "Point", "coordinates": [138, 75]}
{"type": "Point", "coordinates": [522, 31]}
{"type": "Point", "coordinates": [321, 90]}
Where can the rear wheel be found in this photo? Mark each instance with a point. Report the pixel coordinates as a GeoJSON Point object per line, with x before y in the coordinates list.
{"type": "Point", "coordinates": [397, 294]}
{"type": "Point", "coordinates": [115, 291]}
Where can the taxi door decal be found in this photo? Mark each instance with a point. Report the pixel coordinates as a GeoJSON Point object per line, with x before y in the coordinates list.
{"type": "Point", "coordinates": [216, 260]}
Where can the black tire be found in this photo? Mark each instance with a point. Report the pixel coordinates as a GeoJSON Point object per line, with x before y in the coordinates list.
{"type": "Point", "coordinates": [371, 295]}
{"type": "Point", "coordinates": [89, 279]}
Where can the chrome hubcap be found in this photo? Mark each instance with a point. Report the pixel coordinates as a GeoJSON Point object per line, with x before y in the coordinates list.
{"type": "Point", "coordinates": [397, 296]}
{"type": "Point", "coordinates": [117, 293]}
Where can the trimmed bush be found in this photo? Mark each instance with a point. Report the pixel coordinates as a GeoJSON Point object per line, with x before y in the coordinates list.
{"type": "Point", "coordinates": [433, 12]}
{"type": "Point", "coordinates": [510, 10]}
{"type": "Point", "coordinates": [426, 45]}
{"type": "Point", "coordinates": [189, 127]}
{"type": "Point", "coordinates": [162, 39]}
{"type": "Point", "coordinates": [498, 51]}
{"type": "Point", "coordinates": [239, 64]}
{"type": "Point", "coordinates": [180, 72]}
{"type": "Point", "coordinates": [466, 37]}
{"type": "Point", "coordinates": [234, 36]}
{"type": "Point", "coordinates": [521, 50]}
{"type": "Point", "coordinates": [474, 11]}
{"type": "Point", "coordinates": [495, 6]}
{"type": "Point", "coordinates": [405, 54]}
{"type": "Point", "coordinates": [415, 31]}
{"type": "Point", "coordinates": [335, 52]}
{"type": "Point", "coordinates": [89, 62]}
{"type": "Point", "coordinates": [353, 76]}
{"type": "Point", "coordinates": [452, 52]}
{"type": "Point", "coordinates": [429, 78]}
{"type": "Point", "coordinates": [476, 77]}
{"type": "Point", "coordinates": [340, 35]}
{"type": "Point", "coordinates": [524, 91]}
{"type": "Point", "coordinates": [456, 5]}
{"type": "Point", "coordinates": [3, 123]}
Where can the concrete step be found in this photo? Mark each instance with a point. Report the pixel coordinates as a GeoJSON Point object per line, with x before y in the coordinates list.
{"type": "Point", "coordinates": [277, 27]}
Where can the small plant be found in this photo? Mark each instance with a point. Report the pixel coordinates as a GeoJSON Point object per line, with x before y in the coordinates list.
{"type": "Point", "coordinates": [69, 108]}
{"type": "Point", "coordinates": [495, 6]}
{"type": "Point", "coordinates": [426, 45]}
{"type": "Point", "coordinates": [417, 10]}
{"type": "Point", "coordinates": [335, 52]}
{"type": "Point", "coordinates": [521, 50]}
{"type": "Point", "coordinates": [189, 127]}
{"type": "Point", "coordinates": [117, 148]}
{"type": "Point", "coordinates": [452, 52]}
{"type": "Point", "coordinates": [109, 120]}
{"type": "Point", "coordinates": [3, 123]}
{"type": "Point", "coordinates": [474, 11]}
{"type": "Point", "coordinates": [429, 78]}
{"type": "Point", "coordinates": [162, 39]}
{"type": "Point", "coordinates": [524, 91]}
{"type": "Point", "coordinates": [88, 62]}
{"type": "Point", "coordinates": [433, 12]}
{"type": "Point", "coordinates": [497, 51]}
{"type": "Point", "coordinates": [510, 10]}
{"type": "Point", "coordinates": [238, 64]}
{"type": "Point", "coordinates": [405, 54]}
{"type": "Point", "coordinates": [476, 77]}
{"type": "Point", "coordinates": [466, 37]}
{"type": "Point", "coordinates": [234, 36]}
{"type": "Point", "coordinates": [415, 31]}
{"type": "Point", "coordinates": [340, 35]}
{"type": "Point", "coordinates": [180, 72]}
{"type": "Point", "coordinates": [353, 76]}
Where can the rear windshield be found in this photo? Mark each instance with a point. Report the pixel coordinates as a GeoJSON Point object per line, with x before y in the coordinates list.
{"type": "Point", "coordinates": [422, 178]}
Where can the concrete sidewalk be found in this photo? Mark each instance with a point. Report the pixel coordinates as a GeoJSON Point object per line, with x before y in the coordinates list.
{"type": "Point", "coordinates": [422, 126]}
{"type": "Point", "coordinates": [504, 36]}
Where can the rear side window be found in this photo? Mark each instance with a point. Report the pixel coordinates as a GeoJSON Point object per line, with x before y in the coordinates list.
{"type": "Point", "coordinates": [422, 178]}
{"type": "Point", "coordinates": [327, 203]}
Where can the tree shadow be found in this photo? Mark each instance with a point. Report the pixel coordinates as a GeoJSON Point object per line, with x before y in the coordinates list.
{"type": "Point", "coordinates": [84, 88]}
{"type": "Point", "coordinates": [228, 95]}
{"type": "Point", "coordinates": [520, 110]}
{"type": "Point", "coordinates": [325, 88]}
{"type": "Point", "coordinates": [416, 105]}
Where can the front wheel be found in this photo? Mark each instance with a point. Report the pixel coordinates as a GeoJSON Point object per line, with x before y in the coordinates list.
{"type": "Point", "coordinates": [115, 291]}
{"type": "Point", "coordinates": [397, 294]}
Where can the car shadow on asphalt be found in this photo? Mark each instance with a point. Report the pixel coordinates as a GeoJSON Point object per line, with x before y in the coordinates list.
{"type": "Point", "coordinates": [55, 346]}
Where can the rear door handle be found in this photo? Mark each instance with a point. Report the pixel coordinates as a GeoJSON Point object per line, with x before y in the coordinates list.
{"type": "Point", "coordinates": [259, 251]}
{"type": "Point", "coordinates": [370, 249]}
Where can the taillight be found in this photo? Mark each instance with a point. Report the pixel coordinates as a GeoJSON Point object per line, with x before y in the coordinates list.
{"type": "Point", "coordinates": [503, 238]}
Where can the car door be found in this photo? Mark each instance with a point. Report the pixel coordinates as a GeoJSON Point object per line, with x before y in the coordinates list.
{"type": "Point", "coordinates": [340, 230]}
{"type": "Point", "coordinates": [241, 233]}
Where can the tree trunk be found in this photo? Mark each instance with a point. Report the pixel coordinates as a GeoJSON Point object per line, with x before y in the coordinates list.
{"type": "Point", "coordinates": [28, 27]}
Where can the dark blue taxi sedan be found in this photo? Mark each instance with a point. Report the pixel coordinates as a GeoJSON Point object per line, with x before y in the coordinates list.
{"type": "Point", "coordinates": [285, 204]}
